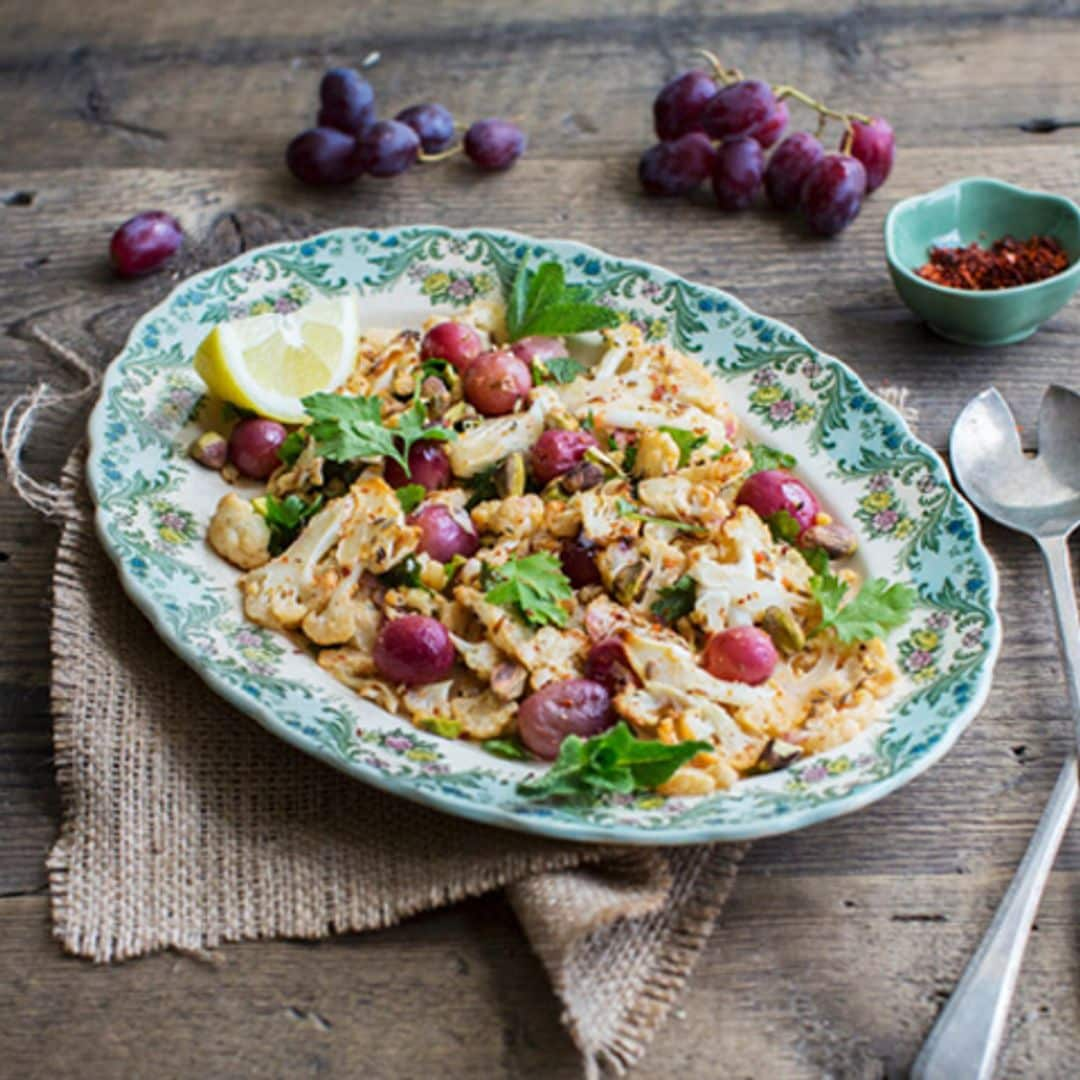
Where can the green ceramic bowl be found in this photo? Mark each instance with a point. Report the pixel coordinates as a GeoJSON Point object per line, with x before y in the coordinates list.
{"type": "Point", "coordinates": [980, 210]}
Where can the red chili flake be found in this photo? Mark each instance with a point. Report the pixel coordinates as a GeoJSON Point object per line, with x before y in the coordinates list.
{"type": "Point", "coordinates": [1007, 262]}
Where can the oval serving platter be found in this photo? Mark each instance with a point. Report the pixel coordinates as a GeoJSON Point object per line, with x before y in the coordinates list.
{"type": "Point", "coordinates": [154, 503]}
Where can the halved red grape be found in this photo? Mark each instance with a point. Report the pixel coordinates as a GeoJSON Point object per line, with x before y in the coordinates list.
{"type": "Point", "coordinates": [736, 177]}
{"type": "Point", "coordinates": [414, 650]}
{"type": "Point", "coordinates": [773, 126]}
{"type": "Point", "coordinates": [874, 144]}
{"type": "Point", "coordinates": [322, 155]}
{"type": "Point", "coordinates": [452, 341]}
{"type": "Point", "coordinates": [494, 144]}
{"type": "Point", "coordinates": [557, 451]}
{"type": "Point", "coordinates": [832, 193]}
{"type": "Point", "coordinates": [677, 108]}
{"type": "Point", "coordinates": [741, 654]}
{"type": "Point", "coordinates": [428, 465]}
{"type": "Point", "coordinates": [608, 664]}
{"type": "Point", "coordinates": [738, 108]}
{"type": "Point", "coordinates": [442, 536]}
{"type": "Point", "coordinates": [568, 707]}
{"type": "Point", "coordinates": [538, 348]}
{"type": "Point", "coordinates": [772, 490]}
{"type": "Point", "coordinates": [145, 242]}
{"type": "Point", "coordinates": [789, 166]}
{"type": "Point", "coordinates": [348, 101]}
{"type": "Point", "coordinates": [496, 381]}
{"type": "Point", "coordinates": [578, 563]}
{"type": "Point", "coordinates": [678, 167]}
{"type": "Point", "coordinates": [432, 122]}
{"type": "Point", "coordinates": [253, 447]}
{"type": "Point", "coordinates": [387, 148]}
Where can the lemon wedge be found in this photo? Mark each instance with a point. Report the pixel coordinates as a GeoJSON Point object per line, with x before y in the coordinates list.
{"type": "Point", "coordinates": [268, 363]}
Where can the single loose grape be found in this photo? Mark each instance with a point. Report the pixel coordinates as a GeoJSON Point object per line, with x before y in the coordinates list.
{"type": "Point", "coordinates": [538, 348]}
{"type": "Point", "coordinates": [874, 144]}
{"type": "Point", "coordinates": [455, 342]}
{"type": "Point", "coordinates": [741, 654]}
{"type": "Point", "coordinates": [144, 243]}
{"type": "Point", "coordinates": [789, 166]}
{"type": "Point", "coordinates": [609, 665]}
{"type": "Point", "coordinates": [432, 122]}
{"type": "Point", "coordinates": [494, 144]}
{"type": "Point", "coordinates": [348, 101]}
{"type": "Point", "coordinates": [253, 447]}
{"type": "Point", "coordinates": [738, 108]}
{"type": "Point", "coordinates": [496, 381]}
{"type": "Point", "coordinates": [568, 707]}
{"type": "Point", "coordinates": [677, 108]}
{"type": "Point", "coordinates": [414, 650]}
{"type": "Point", "coordinates": [557, 451]}
{"type": "Point", "coordinates": [428, 465]}
{"type": "Point", "coordinates": [387, 148]}
{"type": "Point", "coordinates": [832, 193]}
{"type": "Point", "coordinates": [677, 167]}
{"type": "Point", "coordinates": [442, 535]}
{"type": "Point", "coordinates": [737, 173]}
{"type": "Point", "coordinates": [322, 155]}
{"type": "Point", "coordinates": [772, 490]}
{"type": "Point", "coordinates": [577, 556]}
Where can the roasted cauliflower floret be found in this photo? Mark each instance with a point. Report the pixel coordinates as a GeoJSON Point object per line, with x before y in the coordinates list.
{"type": "Point", "coordinates": [657, 454]}
{"type": "Point", "coordinates": [518, 517]}
{"type": "Point", "coordinates": [490, 441]}
{"type": "Point", "coordinates": [239, 533]}
{"type": "Point", "coordinates": [375, 535]}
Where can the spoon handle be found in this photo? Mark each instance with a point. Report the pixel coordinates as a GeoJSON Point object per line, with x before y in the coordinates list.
{"type": "Point", "coordinates": [1058, 565]}
{"type": "Point", "coordinates": [965, 1040]}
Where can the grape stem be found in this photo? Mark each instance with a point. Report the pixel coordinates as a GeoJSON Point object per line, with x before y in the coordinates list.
{"type": "Point", "coordinates": [725, 75]}
{"type": "Point", "coordinates": [442, 155]}
{"type": "Point", "coordinates": [824, 113]}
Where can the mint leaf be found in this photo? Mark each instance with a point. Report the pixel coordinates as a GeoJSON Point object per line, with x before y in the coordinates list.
{"type": "Point", "coordinates": [878, 607]}
{"type": "Point", "coordinates": [783, 526]}
{"type": "Point", "coordinates": [292, 447]}
{"type": "Point", "coordinates": [532, 587]}
{"type": "Point", "coordinates": [686, 441]}
{"type": "Point", "coordinates": [540, 302]}
{"type": "Point", "coordinates": [675, 601]}
{"type": "Point", "coordinates": [613, 762]}
{"type": "Point", "coordinates": [411, 496]}
{"type": "Point", "coordinates": [285, 517]}
{"type": "Point", "coordinates": [506, 748]}
{"type": "Point", "coordinates": [765, 457]}
{"type": "Point", "coordinates": [560, 368]}
{"type": "Point", "coordinates": [627, 509]}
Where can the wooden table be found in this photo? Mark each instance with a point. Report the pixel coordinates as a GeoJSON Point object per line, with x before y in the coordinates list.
{"type": "Point", "coordinates": [840, 943]}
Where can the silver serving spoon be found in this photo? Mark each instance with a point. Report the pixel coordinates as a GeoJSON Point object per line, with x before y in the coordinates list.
{"type": "Point", "coordinates": [1039, 496]}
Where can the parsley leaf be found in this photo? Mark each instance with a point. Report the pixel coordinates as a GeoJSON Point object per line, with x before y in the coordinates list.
{"type": "Point", "coordinates": [506, 748]}
{"type": "Point", "coordinates": [783, 526]}
{"type": "Point", "coordinates": [411, 496]}
{"type": "Point", "coordinates": [675, 601]}
{"type": "Point", "coordinates": [686, 441]}
{"type": "Point", "coordinates": [532, 586]}
{"type": "Point", "coordinates": [405, 575]}
{"type": "Point", "coordinates": [292, 447]}
{"type": "Point", "coordinates": [560, 368]}
{"type": "Point", "coordinates": [613, 762]}
{"type": "Point", "coordinates": [483, 486]}
{"type": "Point", "coordinates": [878, 607]}
{"type": "Point", "coordinates": [347, 428]}
{"type": "Point", "coordinates": [765, 457]}
{"type": "Point", "coordinates": [285, 517]}
{"type": "Point", "coordinates": [627, 509]}
{"type": "Point", "coordinates": [541, 303]}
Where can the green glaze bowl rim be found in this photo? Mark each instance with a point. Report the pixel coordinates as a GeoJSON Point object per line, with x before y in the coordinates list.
{"type": "Point", "coordinates": [912, 202]}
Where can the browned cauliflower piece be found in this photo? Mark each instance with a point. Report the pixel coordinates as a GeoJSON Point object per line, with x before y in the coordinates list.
{"type": "Point", "coordinates": [239, 533]}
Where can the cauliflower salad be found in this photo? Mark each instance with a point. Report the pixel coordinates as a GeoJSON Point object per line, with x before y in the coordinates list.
{"type": "Point", "coordinates": [525, 525]}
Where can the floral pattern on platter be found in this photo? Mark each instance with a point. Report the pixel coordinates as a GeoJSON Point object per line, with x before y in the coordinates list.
{"type": "Point", "coordinates": [154, 502]}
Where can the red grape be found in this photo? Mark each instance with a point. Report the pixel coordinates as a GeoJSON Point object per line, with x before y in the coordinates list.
{"type": "Point", "coordinates": [738, 108]}
{"type": "Point", "coordinates": [576, 555]}
{"type": "Point", "coordinates": [428, 465]}
{"type": "Point", "coordinates": [145, 242]}
{"type": "Point", "coordinates": [773, 126]}
{"type": "Point", "coordinates": [387, 148]}
{"type": "Point", "coordinates": [442, 536]}
{"type": "Point", "coordinates": [494, 144]}
{"type": "Point", "coordinates": [568, 707]}
{"type": "Point", "coordinates": [496, 381]}
{"type": "Point", "coordinates": [832, 193]}
{"type": "Point", "coordinates": [741, 654]}
{"type": "Point", "coordinates": [789, 166]}
{"type": "Point", "coordinates": [737, 173]}
{"type": "Point", "coordinates": [454, 342]}
{"type": "Point", "coordinates": [677, 108]}
{"type": "Point", "coordinates": [253, 447]}
{"type": "Point", "coordinates": [538, 348]}
{"type": "Point", "coordinates": [557, 451]}
{"type": "Point", "coordinates": [608, 664]}
{"type": "Point", "coordinates": [348, 102]}
{"type": "Point", "coordinates": [322, 155]}
{"type": "Point", "coordinates": [677, 168]}
{"type": "Point", "coordinates": [414, 650]}
{"type": "Point", "coordinates": [432, 122]}
{"type": "Point", "coordinates": [874, 145]}
{"type": "Point", "coordinates": [772, 490]}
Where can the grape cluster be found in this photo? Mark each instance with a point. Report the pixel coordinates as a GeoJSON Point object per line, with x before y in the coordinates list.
{"type": "Point", "coordinates": [349, 141]}
{"type": "Point", "coordinates": [717, 125]}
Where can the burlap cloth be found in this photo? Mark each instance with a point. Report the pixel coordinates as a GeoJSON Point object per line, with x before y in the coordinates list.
{"type": "Point", "coordinates": [185, 825]}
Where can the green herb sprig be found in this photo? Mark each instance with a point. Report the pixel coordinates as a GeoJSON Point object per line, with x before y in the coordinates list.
{"type": "Point", "coordinates": [542, 303]}
{"type": "Point", "coordinates": [532, 588]}
{"type": "Point", "coordinates": [676, 600]}
{"type": "Point", "coordinates": [765, 457]}
{"type": "Point", "coordinates": [627, 509]}
{"type": "Point", "coordinates": [285, 517]}
{"type": "Point", "coordinates": [686, 441]}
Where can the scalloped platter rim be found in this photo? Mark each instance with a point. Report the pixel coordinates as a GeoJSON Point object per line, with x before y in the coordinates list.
{"type": "Point", "coordinates": [153, 505]}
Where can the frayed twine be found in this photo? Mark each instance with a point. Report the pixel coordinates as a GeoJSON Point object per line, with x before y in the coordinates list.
{"type": "Point", "coordinates": [18, 421]}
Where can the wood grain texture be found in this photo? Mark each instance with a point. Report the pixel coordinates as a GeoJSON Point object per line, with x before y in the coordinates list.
{"type": "Point", "coordinates": [841, 941]}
